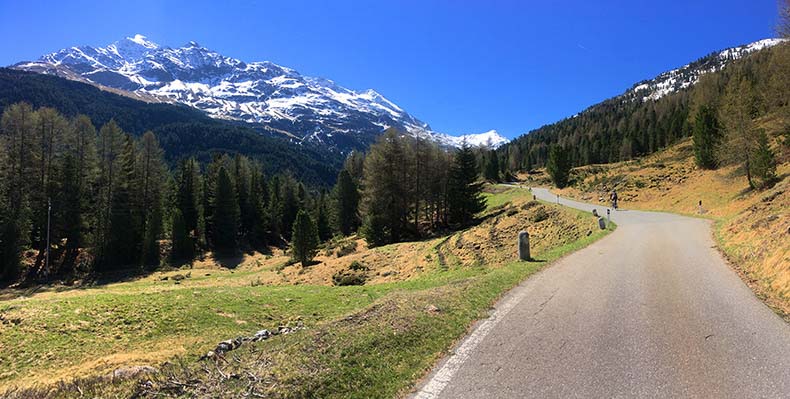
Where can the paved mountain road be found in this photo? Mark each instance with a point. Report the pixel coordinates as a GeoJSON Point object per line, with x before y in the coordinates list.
{"type": "Point", "coordinates": [651, 310]}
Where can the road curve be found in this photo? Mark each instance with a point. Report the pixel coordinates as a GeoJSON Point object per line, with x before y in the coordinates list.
{"type": "Point", "coordinates": [650, 311]}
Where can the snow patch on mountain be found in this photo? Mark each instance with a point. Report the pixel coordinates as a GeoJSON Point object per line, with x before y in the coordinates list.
{"type": "Point", "coordinates": [689, 74]}
{"type": "Point", "coordinates": [490, 139]}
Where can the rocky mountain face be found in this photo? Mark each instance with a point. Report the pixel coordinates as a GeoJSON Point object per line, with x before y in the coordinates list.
{"type": "Point", "coordinates": [276, 98]}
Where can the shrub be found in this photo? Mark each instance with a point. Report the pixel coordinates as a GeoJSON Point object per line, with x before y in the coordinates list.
{"type": "Point", "coordinates": [539, 215]}
{"type": "Point", "coordinates": [344, 278]}
{"type": "Point", "coordinates": [357, 266]}
{"type": "Point", "coordinates": [346, 248]}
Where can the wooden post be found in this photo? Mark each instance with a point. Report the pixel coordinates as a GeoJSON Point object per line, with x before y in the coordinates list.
{"type": "Point", "coordinates": [523, 246]}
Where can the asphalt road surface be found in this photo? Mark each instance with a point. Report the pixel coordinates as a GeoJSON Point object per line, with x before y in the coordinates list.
{"type": "Point", "coordinates": [650, 311]}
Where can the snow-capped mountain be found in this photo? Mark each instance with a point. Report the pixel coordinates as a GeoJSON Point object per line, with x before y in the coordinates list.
{"type": "Point", "coordinates": [272, 96]}
{"type": "Point", "coordinates": [490, 139]}
{"type": "Point", "coordinates": [687, 75]}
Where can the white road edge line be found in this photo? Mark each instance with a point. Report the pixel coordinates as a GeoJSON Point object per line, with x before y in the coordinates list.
{"type": "Point", "coordinates": [439, 381]}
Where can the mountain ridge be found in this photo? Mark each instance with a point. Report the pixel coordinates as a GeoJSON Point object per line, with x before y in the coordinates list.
{"type": "Point", "coordinates": [648, 116]}
{"type": "Point", "coordinates": [687, 75]}
{"type": "Point", "coordinates": [182, 131]}
{"type": "Point", "coordinates": [310, 108]}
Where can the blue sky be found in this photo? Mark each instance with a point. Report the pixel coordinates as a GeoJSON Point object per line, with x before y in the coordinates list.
{"type": "Point", "coordinates": [462, 66]}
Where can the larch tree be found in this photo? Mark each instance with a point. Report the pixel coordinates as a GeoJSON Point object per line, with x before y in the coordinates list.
{"type": "Point", "coordinates": [385, 199]}
{"type": "Point", "coordinates": [49, 133]}
{"type": "Point", "coordinates": [737, 113]}
{"type": "Point", "coordinates": [109, 146]}
{"type": "Point", "coordinates": [81, 144]}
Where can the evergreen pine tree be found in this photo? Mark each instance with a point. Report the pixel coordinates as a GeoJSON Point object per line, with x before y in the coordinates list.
{"type": "Point", "coordinates": [491, 166]}
{"type": "Point", "coordinates": [375, 230]}
{"type": "Point", "coordinates": [81, 146]}
{"type": "Point", "coordinates": [464, 191]}
{"type": "Point", "coordinates": [259, 196]}
{"type": "Point", "coordinates": [17, 128]}
{"type": "Point", "coordinates": [274, 208]}
{"type": "Point", "coordinates": [346, 204]}
{"type": "Point", "coordinates": [763, 162]}
{"type": "Point", "coordinates": [355, 165]}
{"type": "Point", "coordinates": [226, 214]}
{"type": "Point", "coordinates": [70, 210]}
{"type": "Point", "coordinates": [124, 238]}
{"type": "Point", "coordinates": [183, 246]}
{"type": "Point", "coordinates": [706, 138]}
{"type": "Point", "coordinates": [558, 166]}
{"type": "Point", "coordinates": [304, 240]}
{"type": "Point", "coordinates": [153, 180]}
{"type": "Point", "coordinates": [290, 205]}
{"type": "Point", "coordinates": [322, 218]}
{"type": "Point", "coordinates": [190, 205]}
{"type": "Point", "coordinates": [242, 178]}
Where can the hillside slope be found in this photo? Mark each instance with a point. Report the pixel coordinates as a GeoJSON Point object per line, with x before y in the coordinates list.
{"type": "Point", "coordinates": [752, 227]}
{"type": "Point", "coordinates": [654, 114]}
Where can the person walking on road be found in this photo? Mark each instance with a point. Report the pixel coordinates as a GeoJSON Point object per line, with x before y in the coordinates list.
{"type": "Point", "coordinates": [613, 198]}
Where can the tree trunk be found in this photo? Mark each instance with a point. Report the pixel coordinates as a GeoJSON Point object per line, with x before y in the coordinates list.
{"type": "Point", "coordinates": [749, 171]}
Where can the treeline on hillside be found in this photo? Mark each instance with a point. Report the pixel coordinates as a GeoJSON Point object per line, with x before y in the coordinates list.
{"type": "Point", "coordinates": [618, 129]}
{"type": "Point", "coordinates": [105, 200]}
{"type": "Point", "coordinates": [182, 131]}
{"type": "Point", "coordinates": [725, 106]}
{"type": "Point", "coordinates": [89, 201]}
{"type": "Point", "coordinates": [411, 187]}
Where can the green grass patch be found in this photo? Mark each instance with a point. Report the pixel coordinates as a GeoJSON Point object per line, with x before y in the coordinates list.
{"type": "Point", "coordinates": [360, 341]}
{"type": "Point", "coordinates": [495, 200]}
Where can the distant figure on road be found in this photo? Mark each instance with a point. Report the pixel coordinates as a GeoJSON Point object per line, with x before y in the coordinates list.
{"type": "Point", "coordinates": [613, 197]}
